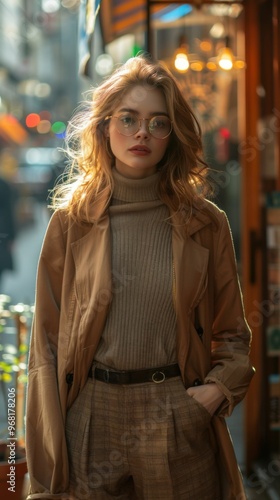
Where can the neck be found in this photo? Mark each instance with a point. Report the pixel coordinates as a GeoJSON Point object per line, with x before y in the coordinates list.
{"type": "Point", "coordinates": [135, 190]}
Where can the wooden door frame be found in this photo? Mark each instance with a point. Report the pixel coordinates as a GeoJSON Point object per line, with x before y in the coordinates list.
{"type": "Point", "coordinates": [276, 77]}
{"type": "Point", "coordinates": [251, 234]}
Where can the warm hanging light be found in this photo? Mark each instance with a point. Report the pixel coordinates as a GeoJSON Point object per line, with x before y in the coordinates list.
{"type": "Point", "coordinates": [181, 61]}
{"type": "Point", "coordinates": [197, 65]}
{"type": "Point", "coordinates": [227, 61]}
{"type": "Point", "coordinates": [225, 58]}
{"type": "Point", "coordinates": [180, 58]}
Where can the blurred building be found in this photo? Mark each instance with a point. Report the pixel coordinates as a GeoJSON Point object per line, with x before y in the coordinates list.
{"type": "Point", "coordinates": [39, 89]}
{"type": "Point", "coordinates": [38, 64]}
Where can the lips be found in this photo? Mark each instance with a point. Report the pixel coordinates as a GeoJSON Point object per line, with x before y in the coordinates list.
{"type": "Point", "coordinates": [140, 148]}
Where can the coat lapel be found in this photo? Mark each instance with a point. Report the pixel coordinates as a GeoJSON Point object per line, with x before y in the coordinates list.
{"type": "Point", "coordinates": [93, 274]}
{"type": "Point", "coordinates": [190, 266]}
{"type": "Point", "coordinates": [92, 257]}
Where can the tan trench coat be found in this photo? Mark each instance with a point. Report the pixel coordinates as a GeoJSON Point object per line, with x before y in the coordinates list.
{"type": "Point", "coordinates": [73, 294]}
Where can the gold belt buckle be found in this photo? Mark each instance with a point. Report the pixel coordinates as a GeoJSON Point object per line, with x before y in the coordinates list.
{"type": "Point", "coordinates": [156, 375]}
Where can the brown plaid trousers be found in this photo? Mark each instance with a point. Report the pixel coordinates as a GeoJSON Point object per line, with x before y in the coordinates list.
{"type": "Point", "coordinates": [143, 441]}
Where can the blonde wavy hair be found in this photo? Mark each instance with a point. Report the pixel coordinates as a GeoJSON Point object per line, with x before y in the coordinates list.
{"type": "Point", "coordinates": [182, 180]}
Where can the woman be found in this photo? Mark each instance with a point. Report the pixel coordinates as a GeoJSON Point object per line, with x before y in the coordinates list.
{"type": "Point", "coordinates": [139, 347]}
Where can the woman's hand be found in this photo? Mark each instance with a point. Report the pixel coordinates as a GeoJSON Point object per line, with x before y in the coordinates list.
{"type": "Point", "coordinates": [208, 395]}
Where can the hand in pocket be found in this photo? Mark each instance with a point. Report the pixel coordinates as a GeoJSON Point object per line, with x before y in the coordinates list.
{"type": "Point", "coordinates": [208, 395]}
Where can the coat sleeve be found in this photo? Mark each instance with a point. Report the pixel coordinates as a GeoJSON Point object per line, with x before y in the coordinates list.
{"type": "Point", "coordinates": [45, 435]}
{"type": "Point", "coordinates": [231, 336]}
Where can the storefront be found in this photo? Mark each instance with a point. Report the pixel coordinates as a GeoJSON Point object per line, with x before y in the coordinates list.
{"type": "Point", "coordinates": [260, 225]}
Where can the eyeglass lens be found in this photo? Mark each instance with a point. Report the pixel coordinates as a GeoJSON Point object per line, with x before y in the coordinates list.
{"type": "Point", "coordinates": [158, 126]}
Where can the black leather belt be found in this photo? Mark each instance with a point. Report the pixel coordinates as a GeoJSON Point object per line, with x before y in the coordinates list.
{"type": "Point", "coordinates": [156, 375]}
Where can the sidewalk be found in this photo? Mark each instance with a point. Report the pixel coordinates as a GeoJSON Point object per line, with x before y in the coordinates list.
{"type": "Point", "coordinates": [20, 284]}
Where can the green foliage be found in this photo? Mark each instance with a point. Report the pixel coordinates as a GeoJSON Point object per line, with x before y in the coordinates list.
{"type": "Point", "coordinates": [15, 323]}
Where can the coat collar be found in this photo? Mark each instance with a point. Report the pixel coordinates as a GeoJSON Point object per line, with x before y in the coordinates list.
{"type": "Point", "coordinates": [201, 216]}
{"type": "Point", "coordinates": [98, 209]}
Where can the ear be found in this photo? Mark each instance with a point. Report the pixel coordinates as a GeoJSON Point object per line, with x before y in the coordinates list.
{"type": "Point", "coordinates": [106, 131]}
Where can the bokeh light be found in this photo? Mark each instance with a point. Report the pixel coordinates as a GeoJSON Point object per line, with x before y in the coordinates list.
{"type": "Point", "coordinates": [42, 90]}
{"type": "Point", "coordinates": [61, 136]}
{"type": "Point", "coordinates": [32, 120]}
{"type": "Point", "coordinates": [45, 115]}
{"type": "Point", "coordinates": [58, 127]}
{"type": "Point", "coordinates": [44, 127]}
{"type": "Point", "coordinates": [70, 4]}
{"type": "Point", "coordinates": [50, 6]}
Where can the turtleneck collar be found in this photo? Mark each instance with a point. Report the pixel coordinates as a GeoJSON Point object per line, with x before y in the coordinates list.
{"type": "Point", "coordinates": [135, 190]}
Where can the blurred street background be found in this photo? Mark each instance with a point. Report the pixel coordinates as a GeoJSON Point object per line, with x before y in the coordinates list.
{"type": "Point", "coordinates": [19, 284]}
{"type": "Point", "coordinates": [40, 87]}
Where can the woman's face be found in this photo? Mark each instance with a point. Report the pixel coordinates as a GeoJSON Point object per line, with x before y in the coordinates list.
{"type": "Point", "coordinates": [137, 155]}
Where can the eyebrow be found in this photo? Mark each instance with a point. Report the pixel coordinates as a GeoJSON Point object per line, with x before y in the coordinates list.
{"type": "Point", "coordinates": [152, 113]}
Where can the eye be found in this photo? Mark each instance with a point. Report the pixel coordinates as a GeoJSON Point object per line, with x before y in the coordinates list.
{"type": "Point", "coordinates": [127, 120]}
{"type": "Point", "coordinates": [160, 122]}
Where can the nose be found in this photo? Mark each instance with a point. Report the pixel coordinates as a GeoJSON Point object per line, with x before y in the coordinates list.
{"type": "Point", "coordinates": [143, 128]}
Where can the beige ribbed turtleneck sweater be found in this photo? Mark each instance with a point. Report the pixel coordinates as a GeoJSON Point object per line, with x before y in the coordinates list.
{"type": "Point", "coordinates": [140, 331]}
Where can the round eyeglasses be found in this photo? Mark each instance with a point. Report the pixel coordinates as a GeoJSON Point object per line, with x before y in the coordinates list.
{"type": "Point", "coordinates": [128, 124]}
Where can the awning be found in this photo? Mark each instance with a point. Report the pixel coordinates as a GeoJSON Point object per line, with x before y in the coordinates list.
{"type": "Point", "coordinates": [121, 17]}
